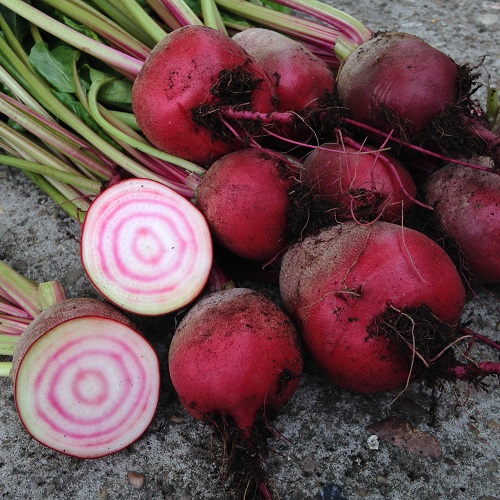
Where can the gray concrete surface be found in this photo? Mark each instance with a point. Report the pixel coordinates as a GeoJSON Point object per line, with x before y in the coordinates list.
{"type": "Point", "coordinates": [325, 440]}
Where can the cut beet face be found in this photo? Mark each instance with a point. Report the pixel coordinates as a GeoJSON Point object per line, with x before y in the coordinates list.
{"type": "Point", "coordinates": [86, 382]}
{"type": "Point", "coordinates": [145, 248]}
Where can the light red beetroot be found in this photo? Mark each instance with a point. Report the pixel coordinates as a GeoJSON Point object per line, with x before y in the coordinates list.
{"type": "Point", "coordinates": [466, 205]}
{"type": "Point", "coordinates": [236, 354]}
{"type": "Point", "coordinates": [234, 361]}
{"type": "Point", "coordinates": [301, 78]}
{"type": "Point", "coordinates": [396, 81]}
{"type": "Point", "coordinates": [368, 184]}
{"type": "Point", "coordinates": [244, 197]}
{"type": "Point", "coordinates": [190, 67]}
{"type": "Point", "coordinates": [336, 284]}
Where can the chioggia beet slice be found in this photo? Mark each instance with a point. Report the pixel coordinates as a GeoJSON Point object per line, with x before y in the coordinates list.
{"type": "Point", "coordinates": [145, 248]}
{"type": "Point", "coordinates": [86, 382]}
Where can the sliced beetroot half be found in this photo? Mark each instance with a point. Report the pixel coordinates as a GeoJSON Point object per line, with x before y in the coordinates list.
{"type": "Point", "coordinates": [145, 248]}
{"type": "Point", "coordinates": [86, 382]}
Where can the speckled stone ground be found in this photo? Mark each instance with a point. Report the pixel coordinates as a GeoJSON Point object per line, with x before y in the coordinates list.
{"type": "Point", "coordinates": [325, 437]}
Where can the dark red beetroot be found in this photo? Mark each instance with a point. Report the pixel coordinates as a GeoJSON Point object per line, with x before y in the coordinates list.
{"type": "Point", "coordinates": [467, 207]}
{"type": "Point", "coordinates": [400, 85]}
{"type": "Point", "coordinates": [235, 360]}
{"type": "Point", "coordinates": [367, 184]}
{"type": "Point", "coordinates": [244, 197]}
{"type": "Point", "coordinates": [346, 286]}
{"type": "Point", "coordinates": [187, 77]}
{"type": "Point", "coordinates": [396, 81]}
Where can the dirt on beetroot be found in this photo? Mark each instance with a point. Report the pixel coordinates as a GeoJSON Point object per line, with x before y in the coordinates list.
{"type": "Point", "coordinates": [328, 447]}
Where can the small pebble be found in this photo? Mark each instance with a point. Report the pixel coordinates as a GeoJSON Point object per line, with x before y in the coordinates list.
{"type": "Point", "coordinates": [103, 495]}
{"type": "Point", "coordinates": [177, 419]}
{"type": "Point", "coordinates": [372, 442]}
{"type": "Point", "coordinates": [492, 424]}
{"type": "Point", "coordinates": [332, 492]}
{"type": "Point", "coordinates": [136, 479]}
{"type": "Point", "coordinates": [381, 479]}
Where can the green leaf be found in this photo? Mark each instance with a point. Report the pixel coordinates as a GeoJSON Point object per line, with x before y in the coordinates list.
{"type": "Point", "coordinates": [195, 6]}
{"type": "Point", "coordinates": [116, 92]}
{"type": "Point", "coordinates": [81, 28]}
{"type": "Point", "coordinates": [233, 19]}
{"type": "Point", "coordinates": [55, 66]}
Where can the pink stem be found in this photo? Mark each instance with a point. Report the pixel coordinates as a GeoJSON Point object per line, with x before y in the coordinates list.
{"type": "Point", "coordinates": [475, 370]}
{"type": "Point", "coordinates": [482, 338]}
{"type": "Point", "coordinates": [265, 491]}
{"type": "Point", "coordinates": [288, 116]}
{"type": "Point", "coordinates": [412, 146]}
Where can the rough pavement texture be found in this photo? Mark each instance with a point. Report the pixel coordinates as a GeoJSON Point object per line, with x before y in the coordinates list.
{"type": "Point", "coordinates": [325, 438]}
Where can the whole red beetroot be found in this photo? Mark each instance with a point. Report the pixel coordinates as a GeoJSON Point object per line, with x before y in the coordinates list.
{"type": "Point", "coordinates": [235, 353]}
{"type": "Point", "coordinates": [366, 183]}
{"type": "Point", "coordinates": [347, 287]}
{"type": "Point", "coordinates": [301, 78]}
{"type": "Point", "coordinates": [185, 81]}
{"type": "Point", "coordinates": [234, 360]}
{"type": "Point", "coordinates": [397, 82]}
{"type": "Point", "coordinates": [244, 197]}
{"type": "Point", "coordinates": [466, 205]}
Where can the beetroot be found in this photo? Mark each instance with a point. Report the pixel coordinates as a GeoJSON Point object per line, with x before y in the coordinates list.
{"type": "Point", "coordinates": [367, 184]}
{"type": "Point", "coordinates": [244, 197]}
{"type": "Point", "coordinates": [301, 78]}
{"type": "Point", "coordinates": [398, 84]}
{"type": "Point", "coordinates": [182, 86]}
{"type": "Point", "coordinates": [350, 285]}
{"type": "Point", "coordinates": [234, 360]}
{"type": "Point", "coordinates": [86, 382]}
{"type": "Point", "coordinates": [303, 82]}
{"type": "Point", "coordinates": [397, 81]}
{"type": "Point", "coordinates": [146, 248]}
{"type": "Point", "coordinates": [467, 208]}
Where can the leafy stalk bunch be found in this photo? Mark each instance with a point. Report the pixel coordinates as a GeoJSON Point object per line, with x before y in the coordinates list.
{"type": "Point", "coordinates": [67, 68]}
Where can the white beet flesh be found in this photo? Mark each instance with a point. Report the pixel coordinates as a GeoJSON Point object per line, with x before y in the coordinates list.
{"type": "Point", "coordinates": [145, 248]}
